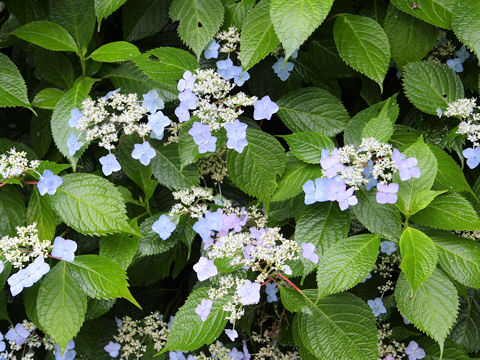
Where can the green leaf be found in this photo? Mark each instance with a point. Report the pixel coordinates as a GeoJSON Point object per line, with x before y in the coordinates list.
{"type": "Point", "coordinates": [459, 257]}
{"type": "Point", "coordinates": [188, 331]}
{"type": "Point", "coordinates": [465, 21]}
{"type": "Point", "coordinates": [381, 126]}
{"type": "Point", "coordinates": [13, 91]}
{"type": "Point", "coordinates": [302, 350]}
{"type": "Point", "coordinates": [77, 17]}
{"type": "Point", "coordinates": [322, 224]}
{"type": "Point", "coordinates": [130, 78]}
{"type": "Point", "coordinates": [90, 204]}
{"type": "Point", "coordinates": [450, 212]}
{"type": "Point", "coordinates": [410, 39]}
{"type": "Point", "coordinates": [61, 305]}
{"type": "Point", "coordinates": [419, 256]}
{"type": "Point", "coordinates": [12, 210]}
{"type": "Point", "coordinates": [59, 124]}
{"type": "Point", "coordinates": [167, 169]}
{"type": "Point", "coordinates": [121, 248]}
{"type": "Point", "coordinates": [432, 308]}
{"type": "Point", "coordinates": [200, 21]}
{"type": "Point", "coordinates": [431, 85]}
{"type": "Point", "coordinates": [313, 109]}
{"type": "Point", "coordinates": [435, 12]}
{"type": "Point", "coordinates": [354, 130]}
{"type": "Point", "coordinates": [40, 211]}
{"type": "Point", "coordinates": [254, 171]}
{"type": "Point", "coordinates": [466, 331]}
{"type": "Point", "coordinates": [258, 35]}
{"type": "Point", "coordinates": [54, 67]}
{"type": "Point", "coordinates": [236, 12]}
{"type": "Point", "coordinates": [100, 277]}
{"type": "Point", "coordinates": [384, 220]}
{"type": "Point", "coordinates": [296, 174]}
{"type": "Point", "coordinates": [308, 145]}
{"type": "Point", "coordinates": [340, 327]}
{"type": "Point", "coordinates": [363, 44]}
{"type": "Point", "coordinates": [451, 350]}
{"type": "Point", "coordinates": [143, 18]}
{"type": "Point", "coordinates": [104, 8]}
{"type": "Point", "coordinates": [449, 175]}
{"type": "Point", "coordinates": [408, 190]}
{"type": "Point", "coordinates": [115, 51]}
{"type": "Point", "coordinates": [346, 263]}
{"type": "Point", "coordinates": [47, 98]}
{"type": "Point", "coordinates": [166, 64]}
{"type": "Point", "coordinates": [47, 35]}
{"type": "Point", "coordinates": [295, 21]}
{"type": "Point", "coordinates": [423, 199]}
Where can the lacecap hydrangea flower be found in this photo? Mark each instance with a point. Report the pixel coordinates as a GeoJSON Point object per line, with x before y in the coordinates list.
{"type": "Point", "coordinates": [414, 352]}
{"type": "Point", "coordinates": [48, 183]}
{"type": "Point", "coordinates": [64, 249]}
{"type": "Point", "coordinates": [204, 308]}
{"type": "Point", "coordinates": [143, 152]}
{"type": "Point", "coordinates": [264, 108]}
{"type": "Point", "coordinates": [68, 354]}
{"type": "Point", "coordinates": [18, 334]}
{"type": "Point", "coordinates": [112, 349]}
{"type": "Point", "coordinates": [205, 269]}
{"type": "Point", "coordinates": [211, 51]}
{"type": "Point", "coordinates": [164, 227]}
{"type": "Point", "coordinates": [377, 306]}
{"type": "Point", "coordinates": [109, 164]}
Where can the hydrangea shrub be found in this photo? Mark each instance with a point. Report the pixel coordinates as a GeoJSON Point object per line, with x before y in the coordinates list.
{"type": "Point", "coordinates": [220, 179]}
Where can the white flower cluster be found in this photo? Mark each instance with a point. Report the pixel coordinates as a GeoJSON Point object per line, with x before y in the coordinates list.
{"type": "Point", "coordinates": [24, 247]}
{"type": "Point", "coordinates": [462, 108]}
{"type": "Point", "coordinates": [229, 285]}
{"type": "Point", "coordinates": [105, 117]}
{"type": "Point", "coordinates": [132, 335]}
{"type": "Point", "coordinates": [215, 107]}
{"type": "Point", "coordinates": [15, 163]}
{"type": "Point", "coordinates": [231, 38]}
{"type": "Point", "coordinates": [387, 346]}
{"type": "Point", "coordinates": [469, 113]}
{"type": "Point", "coordinates": [191, 202]}
{"type": "Point", "coordinates": [371, 153]}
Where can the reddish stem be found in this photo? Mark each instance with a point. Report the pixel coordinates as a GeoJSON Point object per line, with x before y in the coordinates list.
{"type": "Point", "coordinates": [266, 282]}
{"type": "Point", "coordinates": [291, 283]}
{"type": "Point", "coordinates": [30, 182]}
{"type": "Point", "coordinates": [54, 257]}
{"type": "Point", "coordinates": [121, 142]}
{"type": "Point", "coordinates": [5, 183]}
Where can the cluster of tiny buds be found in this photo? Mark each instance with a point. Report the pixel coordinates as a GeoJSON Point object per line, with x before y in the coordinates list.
{"type": "Point", "coordinates": [445, 48]}
{"type": "Point", "coordinates": [24, 247]}
{"type": "Point", "coordinates": [388, 346]}
{"type": "Point", "coordinates": [268, 349]}
{"type": "Point", "coordinates": [15, 163]}
{"type": "Point", "coordinates": [473, 235]}
{"type": "Point", "coordinates": [230, 40]}
{"type": "Point", "coordinates": [214, 166]}
{"type": "Point", "coordinates": [191, 202]}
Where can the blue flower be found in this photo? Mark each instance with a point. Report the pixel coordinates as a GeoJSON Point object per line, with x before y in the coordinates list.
{"type": "Point", "coordinates": [407, 168]}
{"type": "Point", "coordinates": [264, 108]}
{"type": "Point", "coordinates": [249, 293]}
{"type": "Point", "coordinates": [68, 354]}
{"type": "Point", "coordinates": [48, 183]}
{"type": "Point", "coordinates": [369, 276]}
{"type": "Point", "coordinates": [64, 249]}
{"type": "Point", "coordinates": [456, 64]}
{"type": "Point", "coordinates": [309, 252]}
{"type": "Point", "coordinates": [112, 349]}
{"type": "Point", "coordinates": [211, 52]}
{"type": "Point", "coordinates": [143, 152]}
{"type": "Point", "coordinates": [152, 102]}
{"type": "Point", "coordinates": [331, 163]}
{"type": "Point", "coordinates": [164, 227]}
{"type": "Point", "coordinates": [182, 113]}
{"type": "Point", "coordinates": [282, 69]}
{"type": "Point", "coordinates": [236, 135]}
{"type": "Point", "coordinates": [109, 94]}
{"type": "Point", "coordinates": [205, 269]}
{"type": "Point", "coordinates": [73, 144]}
{"type": "Point", "coordinates": [231, 333]}
{"type": "Point", "coordinates": [388, 247]}
{"type": "Point", "coordinates": [294, 54]}
{"type": "Point", "coordinates": [176, 355]}
{"type": "Point", "coordinates": [188, 99]}
{"type": "Point", "coordinates": [377, 306]}
{"type": "Point", "coordinates": [37, 269]}
{"type": "Point", "coordinates": [18, 334]}
{"type": "Point", "coordinates": [472, 156]}
{"type": "Point", "coordinates": [203, 137]}
{"type": "Point", "coordinates": [439, 112]}
{"type": "Point", "coordinates": [462, 53]}
{"type": "Point", "coordinates": [18, 281]}
{"type": "Point", "coordinates": [187, 82]}
{"type": "Point", "coordinates": [158, 122]}
{"type": "Point", "coordinates": [316, 191]}
{"type": "Point", "coordinates": [3, 346]}
{"type": "Point", "coordinates": [75, 116]}
{"type": "Point", "coordinates": [371, 181]}
{"type": "Point", "coordinates": [387, 194]}
{"type": "Point", "coordinates": [240, 79]}
{"type": "Point", "coordinates": [338, 191]}
{"type": "Point", "coordinates": [227, 70]}
{"type": "Point", "coordinates": [109, 164]}
{"type": "Point", "coordinates": [210, 221]}
{"type": "Point", "coordinates": [414, 352]}
{"type": "Point", "coordinates": [271, 290]}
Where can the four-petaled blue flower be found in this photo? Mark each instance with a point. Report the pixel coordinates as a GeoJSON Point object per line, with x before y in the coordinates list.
{"type": "Point", "coordinates": [182, 113]}
{"type": "Point", "coordinates": [203, 309]}
{"type": "Point", "coordinates": [331, 163]}
{"type": "Point", "coordinates": [316, 191]}
{"type": "Point", "coordinates": [472, 156]}
{"type": "Point", "coordinates": [371, 181]}
{"type": "Point", "coordinates": [158, 122]}
{"type": "Point", "coordinates": [211, 51]}
{"type": "Point", "coordinates": [109, 164]}
{"type": "Point", "coordinates": [64, 249]}
{"type": "Point", "coordinates": [249, 293]}
{"type": "Point", "coordinates": [282, 68]}
{"type": "Point", "coordinates": [387, 194]}
{"type": "Point", "coordinates": [73, 144]}
{"type": "Point", "coordinates": [24, 278]}
{"type": "Point", "coordinates": [164, 227]}
{"type": "Point", "coordinates": [456, 64]}
{"type": "Point", "coordinates": [462, 53]}
{"type": "Point", "coordinates": [231, 333]}
{"type": "Point", "coordinates": [68, 354]}
{"type": "Point", "coordinates": [227, 70]}
{"type": "Point", "coordinates": [210, 221]}
{"type": "Point", "coordinates": [236, 135]}
{"type": "Point", "coordinates": [202, 136]}
{"type": "Point", "coordinates": [48, 183]}
{"type": "Point", "coordinates": [240, 79]}
{"type": "Point", "coordinates": [187, 82]}
{"type": "Point", "coordinates": [264, 108]}
{"type": "Point", "coordinates": [388, 247]}
{"type": "Point", "coordinates": [414, 352]}
{"type": "Point", "coordinates": [143, 152]}
{"type": "Point", "coordinates": [338, 192]}
{"type": "Point", "coordinates": [176, 355]}
{"type": "Point", "coordinates": [407, 168]}
{"type": "Point", "coordinates": [75, 116]}
{"type": "Point", "coordinates": [205, 269]}
{"type": "Point", "coordinates": [152, 102]}
{"type": "Point", "coordinates": [271, 290]}
{"type": "Point", "coordinates": [309, 252]}
{"type": "Point", "coordinates": [377, 306]}
{"type": "Point", "coordinates": [18, 334]}
{"type": "Point", "coordinates": [188, 99]}
{"type": "Point", "coordinates": [112, 349]}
